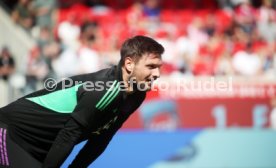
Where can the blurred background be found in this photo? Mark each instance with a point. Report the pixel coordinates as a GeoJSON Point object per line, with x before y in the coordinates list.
{"type": "Point", "coordinates": [207, 42]}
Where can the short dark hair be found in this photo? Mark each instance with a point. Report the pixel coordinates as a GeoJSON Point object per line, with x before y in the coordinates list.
{"type": "Point", "coordinates": [136, 46]}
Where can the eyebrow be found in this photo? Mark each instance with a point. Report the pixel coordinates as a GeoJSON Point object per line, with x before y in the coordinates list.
{"type": "Point", "coordinates": [152, 64]}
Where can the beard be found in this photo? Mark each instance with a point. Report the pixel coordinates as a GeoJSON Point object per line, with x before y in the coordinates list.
{"type": "Point", "coordinates": [143, 85]}
{"type": "Point", "coordinates": [140, 85]}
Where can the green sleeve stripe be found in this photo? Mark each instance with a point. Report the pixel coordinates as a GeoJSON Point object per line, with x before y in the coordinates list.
{"type": "Point", "coordinates": [105, 95]}
{"type": "Point", "coordinates": [110, 100]}
{"type": "Point", "coordinates": [109, 96]}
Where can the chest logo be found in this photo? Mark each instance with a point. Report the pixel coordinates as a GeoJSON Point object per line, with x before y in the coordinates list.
{"type": "Point", "coordinates": [106, 126]}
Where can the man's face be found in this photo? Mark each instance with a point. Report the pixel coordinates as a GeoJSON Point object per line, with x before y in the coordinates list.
{"type": "Point", "coordinates": [146, 70]}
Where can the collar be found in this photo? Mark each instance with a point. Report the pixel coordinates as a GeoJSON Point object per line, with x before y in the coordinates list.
{"type": "Point", "coordinates": [118, 75]}
{"type": "Point", "coordinates": [118, 72]}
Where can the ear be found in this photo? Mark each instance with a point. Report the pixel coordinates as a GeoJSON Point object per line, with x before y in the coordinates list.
{"type": "Point", "coordinates": [129, 64]}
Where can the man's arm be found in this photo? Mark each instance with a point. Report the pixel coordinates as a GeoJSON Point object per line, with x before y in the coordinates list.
{"type": "Point", "coordinates": [63, 144]}
{"type": "Point", "coordinates": [98, 143]}
{"type": "Point", "coordinates": [83, 114]}
{"type": "Point", "coordinates": [95, 146]}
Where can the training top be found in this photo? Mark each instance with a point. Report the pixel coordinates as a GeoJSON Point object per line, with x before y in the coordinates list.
{"type": "Point", "coordinates": [49, 122]}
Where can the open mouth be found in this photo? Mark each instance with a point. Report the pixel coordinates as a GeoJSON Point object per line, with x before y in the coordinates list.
{"type": "Point", "coordinates": [149, 82]}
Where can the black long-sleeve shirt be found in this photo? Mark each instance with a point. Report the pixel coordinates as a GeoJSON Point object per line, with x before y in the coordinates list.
{"type": "Point", "coordinates": [48, 124]}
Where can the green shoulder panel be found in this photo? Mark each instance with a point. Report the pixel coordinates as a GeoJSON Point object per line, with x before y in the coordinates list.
{"type": "Point", "coordinates": [61, 101]}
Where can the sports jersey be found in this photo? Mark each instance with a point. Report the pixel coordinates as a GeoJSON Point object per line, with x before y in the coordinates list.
{"type": "Point", "coordinates": [48, 123]}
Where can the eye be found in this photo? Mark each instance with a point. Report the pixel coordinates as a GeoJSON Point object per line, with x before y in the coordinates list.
{"type": "Point", "coordinates": [151, 66]}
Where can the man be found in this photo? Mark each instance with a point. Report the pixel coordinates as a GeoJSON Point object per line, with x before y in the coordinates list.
{"type": "Point", "coordinates": [6, 63]}
{"type": "Point", "coordinates": [43, 127]}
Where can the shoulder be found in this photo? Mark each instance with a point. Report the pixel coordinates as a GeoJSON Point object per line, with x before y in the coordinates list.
{"type": "Point", "coordinates": [98, 81]}
{"type": "Point", "coordinates": [101, 75]}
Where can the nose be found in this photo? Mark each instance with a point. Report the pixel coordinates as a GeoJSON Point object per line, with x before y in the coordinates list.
{"type": "Point", "coordinates": [156, 73]}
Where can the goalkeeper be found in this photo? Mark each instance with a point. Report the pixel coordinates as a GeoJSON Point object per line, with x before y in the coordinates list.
{"type": "Point", "coordinates": [41, 129]}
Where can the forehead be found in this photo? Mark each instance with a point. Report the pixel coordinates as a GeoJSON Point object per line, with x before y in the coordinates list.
{"type": "Point", "coordinates": [152, 58]}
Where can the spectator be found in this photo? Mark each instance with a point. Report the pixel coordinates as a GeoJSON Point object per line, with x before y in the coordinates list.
{"type": "Point", "coordinates": [44, 12]}
{"type": "Point", "coordinates": [82, 59]}
{"type": "Point", "coordinates": [269, 61]}
{"type": "Point", "coordinates": [266, 13]}
{"type": "Point", "coordinates": [170, 55]}
{"type": "Point", "coordinates": [196, 32]}
{"type": "Point", "coordinates": [69, 58]}
{"type": "Point", "coordinates": [51, 52]}
{"type": "Point", "coordinates": [44, 37]}
{"type": "Point", "coordinates": [267, 22]}
{"type": "Point", "coordinates": [152, 9]}
{"type": "Point", "coordinates": [36, 70]}
{"type": "Point", "coordinates": [135, 17]}
{"type": "Point", "coordinates": [209, 55]}
{"type": "Point", "coordinates": [239, 39]}
{"type": "Point", "coordinates": [210, 25]}
{"type": "Point", "coordinates": [245, 16]}
{"type": "Point", "coordinates": [187, 50]}
{"type": "Point", "coordinates": [89, 59]}
{"type": "Point", "coordinates": [7, 64]}
{"type": "Point", "coordinates": [22, 14]}
{"type": "Point", "coordinates": [224, 65]}
{"type": "Point", "coordinates": [225, 4]}
{"type": "Point", "coordinates": [246, 62]}
{"type": "Point", "coordinates": [236, 3]}
{"type": "Point", "coordinates": [69, 31]}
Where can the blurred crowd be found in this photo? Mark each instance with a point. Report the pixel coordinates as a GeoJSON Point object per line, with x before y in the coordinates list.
{"type": "Point", "coordinates": [220, 38]}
